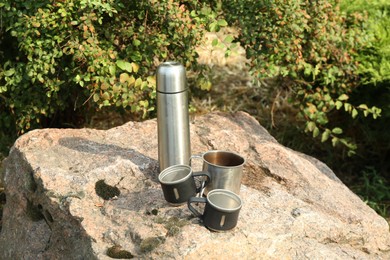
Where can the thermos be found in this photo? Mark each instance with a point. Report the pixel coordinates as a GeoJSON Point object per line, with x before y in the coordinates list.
{"type": "Point", "coordinates": [172, 115]}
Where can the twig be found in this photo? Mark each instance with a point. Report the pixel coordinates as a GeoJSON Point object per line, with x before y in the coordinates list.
{"type": "Point", "coordinates": [93, 93]}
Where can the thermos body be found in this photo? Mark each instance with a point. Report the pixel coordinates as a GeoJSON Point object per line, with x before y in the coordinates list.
{"type": "Point", "coordinates": [172, 115]}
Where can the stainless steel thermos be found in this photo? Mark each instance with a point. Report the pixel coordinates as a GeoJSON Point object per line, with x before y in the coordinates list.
{"type": "Point", "coordinates": [172, 115]}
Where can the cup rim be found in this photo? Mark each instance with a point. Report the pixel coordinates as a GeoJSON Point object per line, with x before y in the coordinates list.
{"type": "Point", "coordinates": [223, 151]}
{"type": "Point", "coordinates": [171, 169]}
{"type": "Point", "coordinates": [231, 194]}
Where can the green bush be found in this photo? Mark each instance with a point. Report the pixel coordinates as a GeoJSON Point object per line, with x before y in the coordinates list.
{"type": "Point", "coordinates": [61, 55]}
{"type": "Point", "coordinates": [310, 48]}
{"type": "Point", "coordinates": [74, 55]}
{"type": "Point", "coordinates": [373, 137]}
{"type": "Point", "coordinates": [374, 58]}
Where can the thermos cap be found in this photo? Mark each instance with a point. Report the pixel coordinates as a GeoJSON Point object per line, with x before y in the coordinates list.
{"type": "Point", "coordinates": [171, 77]}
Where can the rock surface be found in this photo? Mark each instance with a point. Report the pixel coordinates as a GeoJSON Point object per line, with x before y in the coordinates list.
{"type": "Point", "coordinates": [93, 194]}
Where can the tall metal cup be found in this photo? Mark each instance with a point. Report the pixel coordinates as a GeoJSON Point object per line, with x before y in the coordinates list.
{"type": "Point", "coordinates": [225, 168]}
{"type": "Point", "coordinates": [172, 115]}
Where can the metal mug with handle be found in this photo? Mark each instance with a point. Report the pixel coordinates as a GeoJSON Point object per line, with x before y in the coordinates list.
{"type": "Point", "coordinates": [178, 183]}
{"type": "Point", "coordinates": [221, 210]}
{"type": "Point", "coordinates": [225, 168]}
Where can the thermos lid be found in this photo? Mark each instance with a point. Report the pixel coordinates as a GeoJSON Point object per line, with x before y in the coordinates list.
{"type": "Point", "coordinates": [171, 77]}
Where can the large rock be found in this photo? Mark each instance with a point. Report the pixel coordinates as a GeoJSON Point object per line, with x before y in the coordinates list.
{"type": "Point", "coordinates": [92, 194]}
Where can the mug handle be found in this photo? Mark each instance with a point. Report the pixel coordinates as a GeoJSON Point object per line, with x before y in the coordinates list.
{"type": "Point", "coordinates": [198, 156]}
{"type": "Point", "coordinates": [204, 183]}
{"type": "Point", "coordinates": [195, 200]}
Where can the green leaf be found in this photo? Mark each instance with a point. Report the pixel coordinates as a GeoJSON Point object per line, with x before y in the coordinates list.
{"type": "Point", "coordinates": [337, 130]}
{"type": "Point", "coordinates": [316, 132]}
{"type": "Point", "coordinates": [325, 135]}
{"type": "Point", "coordinates": [87, 78]}
{"type": "Point", "coordinates": [228, 39]}
{"type": "Point", "coordinates": [343, 97]}
{"type": "Point", "coordinates": [124, 65]}
{"type": "Point", "coordinates": [106, 96]}
{"type": "Point", "coordinates": [136, 56]}
{"type": "Point", "coordinates": [117, 88]}
{"type": "Point", "coordinates": [214, 42]}
{"type": "Point", "coordinates": [214, 27]}
{"type": "Point", "coordinates": [311, 126]}
{"type": "Point", "coordinates": [138, 82]}
{"type": "Point", "coordinates": [135, 67]}
{"type": "Point", "coordinates": [222, 22]}
{"type": "Point", "coordinates": [151, 80]}
{"type": "Point", "coordinates": [377, 110]}
{"type": "Point", "coordinates": [9, 72]}
{"type": "Point", "coordinates": [363, 106]}
{"type": "Point", "coordinates": [308, 69]}
{"type": "Point", "coordinates": [96, 97]}
{"type": "Point", "coordinates": [136, 42]}
{"type": "Point", "coordinates": [104, 86]}
{"type": "Point", "coordinates": [131, 81]}
{"type": "Point", "coordinates": [205, 84]}
{"type": "Point", "coordinates": [339, 104]}
{"type": "Point", "coordinates": [354, 113]}
{"type": "Point", "coordinates": [112, 70]}
{"type": "Point", "coordinates": [347, 107]}
{"type": "Point", "coordinates": [335, 140]}
{"type": "Point", "coordinates": [327, 97]}
{"type": "Point", "coordinates": [316, 70]}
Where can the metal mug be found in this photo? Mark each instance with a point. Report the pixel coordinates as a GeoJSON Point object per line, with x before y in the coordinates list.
{"type": "Point", "coordinates": [178, 183]}
{"type": "Point", "coordinates": [221, 210]}
{"type": "Point", "coordinates": [225, 168]}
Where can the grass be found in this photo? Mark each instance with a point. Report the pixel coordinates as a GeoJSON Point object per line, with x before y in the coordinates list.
{"type": "Point", "coordinates": [374, 190]}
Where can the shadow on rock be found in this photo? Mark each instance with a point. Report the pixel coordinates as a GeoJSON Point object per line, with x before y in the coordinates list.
{"type": "Point", "coordinates": [148, 166]}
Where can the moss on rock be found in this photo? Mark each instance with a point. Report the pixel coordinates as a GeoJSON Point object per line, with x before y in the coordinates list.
{"type": "Point", "coordinates": [118, 253]}
{"type": "Point", "coordinates": [150, 243]}
{"type": "Point", "coordinates": [106, 191]}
